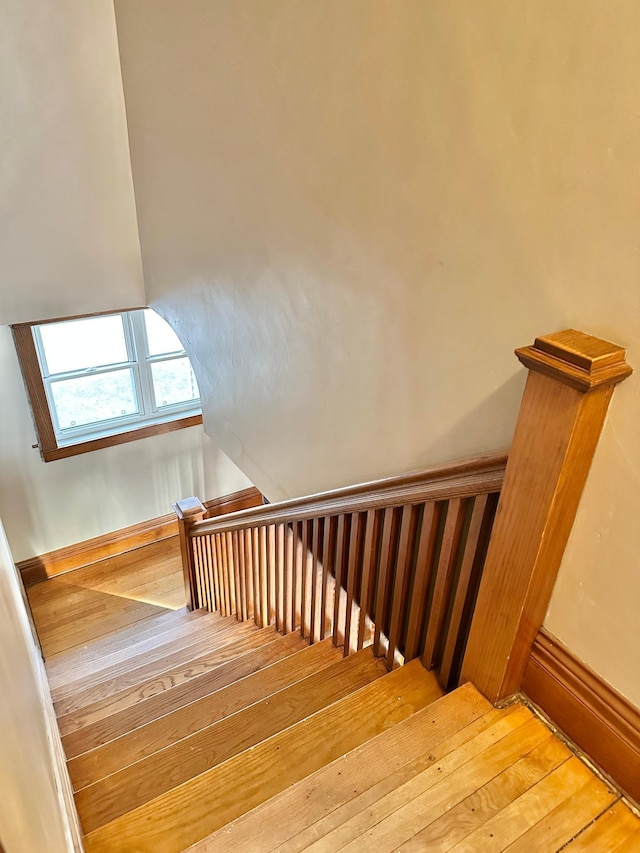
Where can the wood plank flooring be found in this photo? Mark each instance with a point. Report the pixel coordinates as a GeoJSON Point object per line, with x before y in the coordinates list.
{"type": "Point", "coordinates": [192, 731]}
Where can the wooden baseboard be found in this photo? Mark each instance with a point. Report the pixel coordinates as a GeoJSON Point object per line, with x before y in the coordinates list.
{"type": "Point", "coordinates": [37, 569]}
{"type": "Point", "coordinates": [600, 721]}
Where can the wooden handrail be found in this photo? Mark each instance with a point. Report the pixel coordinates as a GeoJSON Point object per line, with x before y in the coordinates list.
{"type": "Point", "coordinates": [474, 476]}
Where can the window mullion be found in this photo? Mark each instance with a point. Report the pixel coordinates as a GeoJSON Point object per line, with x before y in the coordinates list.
{"type": "Point", "coordinates": [143, 371]}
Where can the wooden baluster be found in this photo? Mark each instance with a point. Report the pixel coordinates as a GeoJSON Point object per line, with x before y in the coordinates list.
{"type": "Point", "coordinates": [235, 549]}
{"type": "Point", "coordinates": [248, 573]}
{"type": "Point", "coordinates": [305, 618]}
{"type": "Point", "coordinates": [241, 600]}
{"type": "Point", "coordinates": [328, 549]}
{"type": "Point", "coordinates": [369, 564]}
{"type": "Point", "coordinates": [340, 576]}
{"type": "Point", "coordinates": [296, 572]}
{"type": "Point", "coordinates": [264, 577]}
{"type": "Point", "coordinates": [428, 538]}
{"type": "Point", "coordinates": [384, 568]}
{"type": "Point", "coordinates": [189, 511]}
{"type": "Point", "coordinates": [354, 564]}
{"type": "Point", "coordinates": [198, 571]}
{"type": "Point", "coordinates": [204, 571]}
{"type": "Point", "coordinates": [288, 579]}
{"type": "Point", "coordinates": [232, 574]}
{"type": "Point", "coordinates": [454, 525]}
{"type": "Point", "coordinates": [257, 585]}
{"type": "Point", "coordinates": [279, 579]}
{"type": "Point", "coordinates": [271, 573]}
{"type": "Point", "coordinates": [217, 568]}
{"type": "Point", "coordinates": [453, 640]}
{"type": "Point", "coordinates": [225, 575]}
{"type": "Point", "coordinates": [209, 564]}
{"type": "Point", "coordinates": [316, 525]}
{"type": "Point", "coordinates": [402, 579]}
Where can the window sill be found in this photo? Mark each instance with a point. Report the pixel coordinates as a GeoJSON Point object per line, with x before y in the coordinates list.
{"type": "Point", "coordinates": [51, 454]}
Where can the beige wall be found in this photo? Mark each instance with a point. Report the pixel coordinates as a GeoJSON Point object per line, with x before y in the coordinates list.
{"type": "Point", "coordinates": [68, 235]}
{"type": "Point", "coordinates": [31, 816]}
{"type": "Point", "coordinates": [353, 212]}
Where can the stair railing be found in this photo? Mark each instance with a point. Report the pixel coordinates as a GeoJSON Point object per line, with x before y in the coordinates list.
{"type": "Point", "coordinates": [401, 562]}
{"type": "Point", "coordinates": [394, 563]}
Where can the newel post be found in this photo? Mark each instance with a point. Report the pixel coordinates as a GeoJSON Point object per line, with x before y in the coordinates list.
{"type": "Point", "coordinates": [189, 510]}
{"type": "Point", "coordinates": [571, 379]}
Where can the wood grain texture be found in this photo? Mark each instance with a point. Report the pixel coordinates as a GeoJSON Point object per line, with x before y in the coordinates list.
{"type": "Point", "coordinates": [168, 680]}
{"type": "Point", "coordinates": [195, 809]}
{"type": "Point", "coordinates": [95, 761]}
{"type": "Point", "coordinates": [149, 777]}
{"type": "Point", "coordinates": [590, 712]}
{"type": "Point", "coordinates": [304, 812]}
{"type": "Point", "coordinates": [460, 479]}
{"type": "Point", "coordinates": [555, 438]}
{"type": "Point", "coordinates": [92, 727]}
{"type": "Point", "coordinates": [37, 569]}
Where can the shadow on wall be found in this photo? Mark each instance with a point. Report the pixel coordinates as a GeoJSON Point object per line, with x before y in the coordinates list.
{"type": "Point", "coordinates": [490, 412]}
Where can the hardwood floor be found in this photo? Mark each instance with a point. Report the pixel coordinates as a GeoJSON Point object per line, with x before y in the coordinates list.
{"type": "Point", "coordinates": [192, 731]}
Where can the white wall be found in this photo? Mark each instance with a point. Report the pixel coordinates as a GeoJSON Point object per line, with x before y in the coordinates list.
{"type": "Point", "coordinates": [68, 234]}
{"type": "Point", "coordinates": [353, 212]}
{"type": "Point", "coordinates": [31, 818]}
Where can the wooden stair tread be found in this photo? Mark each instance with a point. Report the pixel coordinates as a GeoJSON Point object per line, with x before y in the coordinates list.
{"type": "Point", "coordinates": [202, 711]}
{"type": "Point", "coordinates": [142, 670]}
{"type": "Point", "coordinates": [376, 766]}
{"type": "Point", "coordinates": [143, 654]}
{"type": "Point", "coordinates": [150, 777]}
{"type": "Point", "coordinates": [156, 627]}
{"type": "Point", "coordinates": [79, 739]}
{"type": "Point", "coordinates": [196, 808]}
{"type": "Point", "coordinates": [171, 678]}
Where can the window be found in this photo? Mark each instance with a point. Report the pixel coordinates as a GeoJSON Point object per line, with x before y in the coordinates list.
{"type": "Point", "coordinates": [105, 379]}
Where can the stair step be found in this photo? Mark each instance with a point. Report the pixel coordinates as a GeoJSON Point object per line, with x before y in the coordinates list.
{"type": "Point", "coordinates": [157, 628]}
{"type": "Point", "coordinates": [74, 635]}
{"type": "Point", "coordinates": [182, 759]}
{"type": "Point", "coordinates": [214, 706]}
{"type": "Point", "coordinates": [198, 807]}
{"type": "Point", "coordinates": [240, 669]}
{"type": "Point", "coordinates": [141, 654]}
{"type": "Point", "coordinates": [142, 670]}
{"type": "Point", "coordinates": [172, 678]}
{"type": "Point", "coordinates": [308, 810]}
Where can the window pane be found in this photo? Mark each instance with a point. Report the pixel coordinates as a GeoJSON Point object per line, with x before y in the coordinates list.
{"type": "Point", "coordinates": [79, 344]}
{"type": "Point", "coordinates": [160, 336]}
{"type": "Point", "coordinates": [174, 382]}
{"type": "Point", "coordinates": [90, 399]}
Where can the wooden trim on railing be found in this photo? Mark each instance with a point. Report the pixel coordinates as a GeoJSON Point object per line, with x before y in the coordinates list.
{"type": "Point", "coordinates": [571, 380]}
{"type": "Point", "coordinates": [591, 713]}
{"type": "Point", "coordinates": [480, 475]}
{"type": "Point", "coordinates": [36, 569]}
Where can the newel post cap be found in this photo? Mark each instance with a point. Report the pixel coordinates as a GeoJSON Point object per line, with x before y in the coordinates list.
{"type": "Point", "coordinates": [577, 359]}
{"type": "Point", "coordinates": [189, 507]}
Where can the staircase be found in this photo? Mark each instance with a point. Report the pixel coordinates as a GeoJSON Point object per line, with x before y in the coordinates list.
{"type": "Point", "coordinates": [190, 730]}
